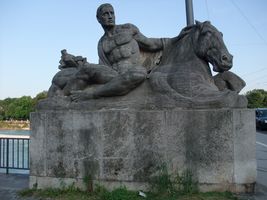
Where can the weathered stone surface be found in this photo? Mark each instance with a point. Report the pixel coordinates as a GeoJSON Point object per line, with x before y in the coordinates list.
{"type": "Point", "coordinates": [143, 98]}
{"type": "Point", "coordinates": [149, 102]}
{"type": "Point", "coordinates": [229, 80]}
{"type": "Point", "coordinates": [127, 146]}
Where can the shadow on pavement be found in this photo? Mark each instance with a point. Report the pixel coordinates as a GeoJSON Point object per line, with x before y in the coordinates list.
{"type": "Point", "coordinates": [10, 184]}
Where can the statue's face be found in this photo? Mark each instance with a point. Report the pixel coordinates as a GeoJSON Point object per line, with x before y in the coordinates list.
{"type": "Point", "coordinates": [107, 17]}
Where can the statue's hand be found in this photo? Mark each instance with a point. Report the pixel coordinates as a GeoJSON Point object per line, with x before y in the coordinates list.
{"type": "Point", "coordinates": [77, 96]}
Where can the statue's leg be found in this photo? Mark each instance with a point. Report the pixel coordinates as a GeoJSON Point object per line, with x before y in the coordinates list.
{"type": "Point", "coordinates": [122, 84]}
{"type": "Point", "coordinates": [97, 74]}
{"type": "Point", "coordinates": [54, 90]}
{"type": "Point", "coordinates": [60, 80]}
{"type": "Point", "coordinates": [89, 74]}
{"type": "Point", "coordinates": [74, 85]}
{"type": "Point", "coordinates": [119, 85]}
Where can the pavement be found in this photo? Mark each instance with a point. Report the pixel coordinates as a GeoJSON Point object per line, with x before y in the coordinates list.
{"type": "Point", "coordinates": [11, 184]}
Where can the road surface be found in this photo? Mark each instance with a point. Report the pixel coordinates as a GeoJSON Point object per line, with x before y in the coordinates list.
{"type": "Point", "coordinates": [261, 155]}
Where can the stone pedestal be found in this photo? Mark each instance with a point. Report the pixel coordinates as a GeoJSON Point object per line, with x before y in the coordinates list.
{"type": "Point", "coordinates": [125, 147]}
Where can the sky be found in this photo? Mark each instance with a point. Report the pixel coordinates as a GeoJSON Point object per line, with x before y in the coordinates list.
{"type": "Point", "coordinates": [33, 32]}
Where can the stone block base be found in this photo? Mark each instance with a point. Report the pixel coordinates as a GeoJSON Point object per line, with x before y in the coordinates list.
{"type": "Point", "coordinates": [127, 147]}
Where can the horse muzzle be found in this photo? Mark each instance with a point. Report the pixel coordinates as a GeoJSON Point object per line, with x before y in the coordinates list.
{"type": "Point", "coordinates": [223, 63]}
{"type": "Point", "coordinates": [226, 61]}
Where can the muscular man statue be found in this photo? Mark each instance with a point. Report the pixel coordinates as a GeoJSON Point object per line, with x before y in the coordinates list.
{"type": "Point", "coordinates": [119, 68]}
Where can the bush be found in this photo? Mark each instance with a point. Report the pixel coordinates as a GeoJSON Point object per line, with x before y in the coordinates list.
{"type": "Point", "coordinates": [257, 98]}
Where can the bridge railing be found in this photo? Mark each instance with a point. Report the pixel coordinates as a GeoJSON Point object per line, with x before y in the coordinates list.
{"type": "Point", "coordinates": [14, 152]}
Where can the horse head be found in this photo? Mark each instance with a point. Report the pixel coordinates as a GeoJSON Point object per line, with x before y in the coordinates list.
{"type": "Point", "coordinates": [209, 46]}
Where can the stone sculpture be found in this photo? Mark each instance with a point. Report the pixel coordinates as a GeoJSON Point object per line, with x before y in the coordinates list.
{"type": "Point", "coordinates": [147, 103]}
{"type": "Point", "coordinates": [176, 69]}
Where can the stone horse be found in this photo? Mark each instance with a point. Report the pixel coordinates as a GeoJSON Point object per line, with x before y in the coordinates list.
{"type": "Point", "coordinates": [184, 73]}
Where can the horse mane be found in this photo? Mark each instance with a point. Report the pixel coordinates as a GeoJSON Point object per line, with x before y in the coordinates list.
{"type": "Point", "coordinates": [188, 29]}
{"type": "Point", "coordinates": [150, 60]}
{"type": "Point", "coordinates": [185, 31]}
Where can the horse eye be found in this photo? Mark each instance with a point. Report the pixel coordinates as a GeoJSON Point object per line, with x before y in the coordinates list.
{"type": "Point", "coordinates": [208, 33]}
{"type": "Point", "coordinates": [221, 34]}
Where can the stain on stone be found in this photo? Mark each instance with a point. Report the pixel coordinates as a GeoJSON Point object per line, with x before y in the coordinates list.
{"type": "Point", "coordinates": [90, 168]}
{"type": "Point", "coordinates": [60, 148]}
{"type": "Point", "coordinates": [117, 170]}
{"type": "Point", "coordinates": [250, 187]}
{"type": "Point", "coordinates": [147, 165]}
{"type": "Point", "coordinates": [144, 173]}
{"type": "Point", "coordinates": [114, 167]}
{"type": "Point", "coordinates": [86, 139]}
{"type": "Point", "coordinates": [76, 168]}
{"type": "Point", "coordinates": [59, 170]}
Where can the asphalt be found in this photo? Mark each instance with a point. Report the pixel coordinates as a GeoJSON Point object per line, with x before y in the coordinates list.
{"type": "Point", "coordinates": [11, 184]}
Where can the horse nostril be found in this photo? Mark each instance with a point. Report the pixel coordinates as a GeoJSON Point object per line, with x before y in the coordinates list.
{"type": "Point", "coordinates": [224, 58]}
{"type": "Point", "coordinates": [227, 58]}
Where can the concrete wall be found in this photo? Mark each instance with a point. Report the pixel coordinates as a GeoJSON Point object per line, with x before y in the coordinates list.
{"type": "Point", "coordinates": [127, 147]}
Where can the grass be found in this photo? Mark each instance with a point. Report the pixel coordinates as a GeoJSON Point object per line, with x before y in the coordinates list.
{"type": "Point", "coordinates": [164, 183]}
{"type": "Point", "coordinates": [75, 194]}
{"type": "Point", "coordinates": [119, 194]}
{"type": "Point", "coordinates": [69, 193]}
{"type": "Point", "coordinates": [163, 187]}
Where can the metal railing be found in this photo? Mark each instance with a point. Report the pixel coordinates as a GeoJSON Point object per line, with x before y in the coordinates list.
{"type": "Point", "coordinates": [14, 153]}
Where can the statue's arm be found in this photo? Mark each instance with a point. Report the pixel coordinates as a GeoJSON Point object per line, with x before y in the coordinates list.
{"type": "Point", "coordinates": [103, 60]}
{"type": "Point", "coordinates": [145, 43]}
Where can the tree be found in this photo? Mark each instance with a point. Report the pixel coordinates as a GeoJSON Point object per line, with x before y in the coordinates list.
{"type": "Point", "coordinates": [257, 98]}
{"type": "Point", "coordinates": [39, 96]}
{"type": "Point", "coordinates": [20, 108]}
{"type": "Point", "coordinates": [4, 104]}
{"type": "Point", "coordinates": [2, 111]}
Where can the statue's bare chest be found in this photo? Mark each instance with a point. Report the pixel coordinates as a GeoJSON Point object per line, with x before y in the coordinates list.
{"type": "Point", "coordinates": [120, 41]}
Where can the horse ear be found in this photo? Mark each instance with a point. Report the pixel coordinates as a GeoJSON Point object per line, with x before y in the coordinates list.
{"type": "Point", "coordinates": [199, 25]}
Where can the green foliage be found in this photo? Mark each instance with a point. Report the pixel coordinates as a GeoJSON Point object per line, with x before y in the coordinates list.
{"type": "Point", "coordinates": [67, 193]}
{"type": "Point", "coordinates": [101, 193]}
{"type": "Point", "coordinates": [39, 96]}
{"type": "Point", "coordinates": [164, 185]}
{"type": "Point", "coordinates": [3, 107]}
{"type": "Point", "coordinates": [72, 193]}
{"type": "Point", "coordinates": [118, 194]}
{"type": "Point", "coordinates": [88, 181]}
{"type": "Point", "coordinates": [257, 98]}
{"type": "Point", "coordinates": [19, 108]}
{"type": "Point", "coordinates": [186, 183]}
{"type": "Point", "coordinates": [27, 192]}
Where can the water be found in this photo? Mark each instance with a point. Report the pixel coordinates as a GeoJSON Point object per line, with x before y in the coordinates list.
{"type": "Point", "coordinates": [17, 148]}
{"type": "Point", "coordinates": [15, 132]}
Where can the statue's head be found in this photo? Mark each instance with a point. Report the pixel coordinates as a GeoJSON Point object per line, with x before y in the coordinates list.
{"type": "Point", "coordinates": [63, 51]}
{"type": "Point", "coordinates": [105, 15]}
